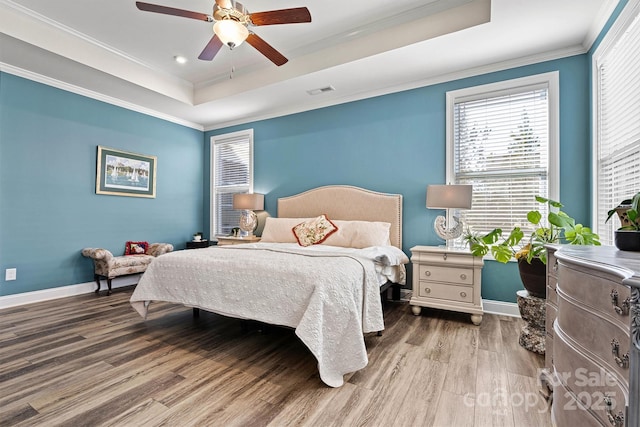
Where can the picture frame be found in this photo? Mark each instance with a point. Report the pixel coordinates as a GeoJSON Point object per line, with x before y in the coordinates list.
{"type": "Point", "coordinates": [121, 173]}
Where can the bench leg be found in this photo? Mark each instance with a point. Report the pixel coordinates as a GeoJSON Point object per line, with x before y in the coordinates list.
{"type": "Point", "coordinates": [97, 279]}
{"type": "Point", "coordinates": [109, 284]}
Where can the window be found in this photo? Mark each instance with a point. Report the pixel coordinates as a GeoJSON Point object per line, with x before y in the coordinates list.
{"type": "Point", "coordinates": [617, 128]}
{"type": "Point", "coordinates": [231, 173]}
{"type": "Point", "coordinates": [501, 138]}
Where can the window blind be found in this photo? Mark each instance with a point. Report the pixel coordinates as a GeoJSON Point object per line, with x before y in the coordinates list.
{"type": "Point", "coordinates": [501, 147]}
{"type": "Point", "coordinates": [618, 127]}
{"type": "Point", "coordinates": [231, 174]}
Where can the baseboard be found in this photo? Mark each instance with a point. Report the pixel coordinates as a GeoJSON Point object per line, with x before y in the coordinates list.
{"type": "Point", "coordinates": [8, 301]}
{"type": "Point", "coordinates": [489, 306]}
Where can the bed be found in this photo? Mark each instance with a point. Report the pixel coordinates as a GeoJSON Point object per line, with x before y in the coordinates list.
{"type": "Point", "coordinates": [327, 290]}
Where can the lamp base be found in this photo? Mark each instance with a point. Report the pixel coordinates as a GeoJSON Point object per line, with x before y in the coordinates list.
{"type": "Point", "coordinates": [445, 233]}
{"type": "Point", "coordinates": [248, 222]}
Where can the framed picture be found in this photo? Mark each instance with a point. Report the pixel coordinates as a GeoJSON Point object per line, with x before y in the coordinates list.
{"type": "Point", "coordinates": [120, 173]}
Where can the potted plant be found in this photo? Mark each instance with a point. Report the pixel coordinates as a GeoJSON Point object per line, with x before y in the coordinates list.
{"type": "Point", "coordinates": [627, 237]}
{"type": "Point", "coordinates": [532, 257]}
{"type": "Point", "coordinates": [197, 237]}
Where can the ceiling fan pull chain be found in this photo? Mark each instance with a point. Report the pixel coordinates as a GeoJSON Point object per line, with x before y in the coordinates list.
{"type": "Point", "coordinates": [233, 69]}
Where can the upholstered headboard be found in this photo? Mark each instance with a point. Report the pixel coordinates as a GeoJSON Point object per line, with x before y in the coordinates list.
{"type": "Point", "coordinates": [345, 202]}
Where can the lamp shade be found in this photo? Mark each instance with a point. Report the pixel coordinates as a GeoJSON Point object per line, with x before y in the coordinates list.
{"type": "Point", "coordinates": [248, 201]}
{"type": "Point", "coordinates": [231, 32]}
{"type": "Point", "coordinates": [449, 196]}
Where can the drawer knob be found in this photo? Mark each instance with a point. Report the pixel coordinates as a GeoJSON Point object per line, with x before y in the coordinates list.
{"type": "Point", "coordinates": [427, 273]}
{"type": "Point", "coordinates": [555, 266]}
{"type": "Point", "coordinates": [463, 294]}
{"type": "Point", "coordinates": [427, 290]}
{"type": "Point", "coordinates": [623, 361]}
{"type": "Point", "coordinates": [624, 310]}
{"type": "Point", "coordinates": [616, 420]}
{"type": "Point", "coordinates": [444, 257]}
{"type": "Point", "coordinates": [463, 276]}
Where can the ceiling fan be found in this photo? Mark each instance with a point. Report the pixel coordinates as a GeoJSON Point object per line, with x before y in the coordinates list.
{"type": "Point", "coordinates": [232, 22]}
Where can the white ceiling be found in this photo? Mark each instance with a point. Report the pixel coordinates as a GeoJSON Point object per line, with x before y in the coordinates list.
{"type": "Point", "coordinates": [112, 51]}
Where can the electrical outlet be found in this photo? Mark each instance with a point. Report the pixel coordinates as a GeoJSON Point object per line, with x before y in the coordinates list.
{"type": "Point", "coordinates": [10, 274]}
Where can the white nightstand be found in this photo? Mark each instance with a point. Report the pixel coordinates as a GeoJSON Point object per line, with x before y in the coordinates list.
{"type": "Point", "coordinates": [447, 279]}
{"type": "Point", "coordinates": [229, 240]}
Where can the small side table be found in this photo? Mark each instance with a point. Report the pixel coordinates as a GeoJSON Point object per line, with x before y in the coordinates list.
{"type": "Point", "coordinates": [230, 240]}
{"type": "Point", "coordinates": [198, 245]}
{"type": "Point", "coordinates": [447, 279]}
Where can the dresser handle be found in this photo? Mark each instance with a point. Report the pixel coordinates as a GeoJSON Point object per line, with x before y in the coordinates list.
{"type": "Point", "coordinates": [555, 266]}
{"type": "Point", "coordinates": [427, 290]}
{"type": "Point", "coordinates": [444, 257]}
{"type": "Point", "coordinates": [624, 310]}
{"type": "Point", "coordinates": [427, 273]}
{"type": "Point", "coordinates": [463, 276]}
{"type": "Point", "coordinates": [623, 361]}
{"type": "Point", "coordinates": [616, 420]}
{"type": "Point", "coordinates": [463, 294]}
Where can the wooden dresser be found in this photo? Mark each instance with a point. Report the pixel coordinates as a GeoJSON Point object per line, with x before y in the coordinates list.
{"type": "Point", "coordinates": [593, 336]}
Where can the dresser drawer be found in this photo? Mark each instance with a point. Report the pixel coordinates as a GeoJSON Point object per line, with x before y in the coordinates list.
{"type": "Point", "coordinates": [551, 293]}
{"type": "Point", "coordinates": [595, 292]}
{"type": "Point", "coordinates": [587, 382]}
{"type": "Point", "coordinates": [458, 275]}
{"type": "Point", "coordinates": [445, 291]}
{"type": "Point", "coordinates": [550, 317]}
{"type": "Point", "coordinates": [552, 267]}
{"type": "Point", "coordinates": [594, 334]}
{"type": "Point", "coordinates": [548, 352]}
{"type": "Point", "coordinates": [445, 258]}
{"type": "Point", "coordinates": [566, 411]}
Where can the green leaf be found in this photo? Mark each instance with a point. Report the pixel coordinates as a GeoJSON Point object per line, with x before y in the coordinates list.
{"type": "Point", "coordinates": [541, 199]}
{"type": "Point", "coordinates": [555, 204]}
{"type": "Point", "coordinates": [478, 249]}
{"type": "Point", "coordinates": [492, 236]}
{"type": "Point", "coordinates": [502, 253]}
{"type": "Point", "coordinates": [534, 217]}
{"type": "Point", "coordinates": [514, 237]}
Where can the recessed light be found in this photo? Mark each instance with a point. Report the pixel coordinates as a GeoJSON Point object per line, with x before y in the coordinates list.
{"type": "Point", "coordinates": [180, 59]}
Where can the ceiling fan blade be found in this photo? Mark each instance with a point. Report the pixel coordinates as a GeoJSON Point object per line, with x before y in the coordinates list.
{"type": "Point", "coordinates": [224, 4]}
{"type": "Point", "coordinates": [266, 49]}
{"type": "Point", "coordinates": [148, 7]}
{"type": "Point", "coordinates": [282, 16]}
{"type": "Point", "coordinates": [211, 49]}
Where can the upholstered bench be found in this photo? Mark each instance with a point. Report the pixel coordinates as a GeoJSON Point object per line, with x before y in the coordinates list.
{"type": "Point", "coordinates": [108, 266]}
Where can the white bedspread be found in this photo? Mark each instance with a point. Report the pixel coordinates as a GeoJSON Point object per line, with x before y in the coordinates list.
{"type": "Point", "coordinates": [330, 296]}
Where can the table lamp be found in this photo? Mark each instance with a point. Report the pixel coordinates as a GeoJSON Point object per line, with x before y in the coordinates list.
{"type": "Point", "coordinates": [448, 197]}
{"type": "Point", "coordinates": [248, 202]}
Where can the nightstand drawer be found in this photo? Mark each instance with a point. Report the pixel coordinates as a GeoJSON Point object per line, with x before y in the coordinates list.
{"type": "Point", "coordinates": [461, 276]}
{"type": "Point", "coordinates": [444, 291]}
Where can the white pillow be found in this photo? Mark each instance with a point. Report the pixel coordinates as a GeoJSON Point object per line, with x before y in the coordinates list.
{"type": "Point", "coordinates": [280, 230]}
{"type": "Point", "coordinates": [359, 234]}
{"type": "Point", "coordinates": [350, 234]}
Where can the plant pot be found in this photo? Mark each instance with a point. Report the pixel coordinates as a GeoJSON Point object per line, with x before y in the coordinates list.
{"type": "Point", "coordinates": [621, 210]}
{"type": "Point", "coordinates": [534, 276]}
{"type": "Point", "coordinates": [627, 240]}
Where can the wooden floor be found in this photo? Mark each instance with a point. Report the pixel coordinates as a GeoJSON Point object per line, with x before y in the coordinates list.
{"type": "Point", "coordinates": [88, 361]}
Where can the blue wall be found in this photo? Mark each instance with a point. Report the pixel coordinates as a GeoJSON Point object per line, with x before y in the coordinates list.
{"type": "Point", "coordinates": [48, 207]}
{"type": "Point", "coordinates": [393, 143]}
{"type": "Point", "coordinates": [396, 144]}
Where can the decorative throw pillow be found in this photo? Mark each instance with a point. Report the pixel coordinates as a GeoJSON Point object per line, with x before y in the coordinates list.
{"type": "Point", "coordinates": [136, 248]}
{"type": "Point", "coordinates": [314, 231]}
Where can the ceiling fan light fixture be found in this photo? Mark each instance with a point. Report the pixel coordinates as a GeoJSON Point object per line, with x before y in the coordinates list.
{"type": "Point", "coordinates": [231, 32]}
